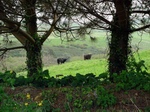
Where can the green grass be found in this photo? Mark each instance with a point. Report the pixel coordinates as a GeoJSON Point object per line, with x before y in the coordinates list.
{"type": "Point", "coordinates": [141, 41]}
{"type": "Point", "coordinates": [144, 55]}
{"type": "Point", "coordinates": [95, 66]}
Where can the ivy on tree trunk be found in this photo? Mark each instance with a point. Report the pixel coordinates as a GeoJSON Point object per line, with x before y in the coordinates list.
{"type": "Point", "coordinates": [119, 50]}
{"type": "Point", "coordinates": [34, 59]}
{"type": "Point", "coordinates": [120, 36]}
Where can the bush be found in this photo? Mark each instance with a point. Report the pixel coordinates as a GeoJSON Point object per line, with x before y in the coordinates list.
{"type": "Point", "coordinates": [135, 78]}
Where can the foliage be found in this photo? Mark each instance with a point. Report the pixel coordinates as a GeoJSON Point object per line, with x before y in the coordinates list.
{"type": "Point", "coordinates": [147, 109]}
{"type": "Point", "coordinates": [78, 98]}
{"type": "Point", "coordinates": [8, 77]}
{"type": "Point", "coordinates": [8, 103]}
{"type": "Point", "coordinates": [104, 98]}
{"type": "Point", "coordinates": [81, 92]}
{"type": "Point", "coordinates": [136, 78]}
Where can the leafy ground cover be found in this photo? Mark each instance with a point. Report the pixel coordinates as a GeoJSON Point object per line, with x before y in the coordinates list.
{"type": "Point", "coordinates": [130, 92]}
{"type": "Point", "coordinates": [66, 99]}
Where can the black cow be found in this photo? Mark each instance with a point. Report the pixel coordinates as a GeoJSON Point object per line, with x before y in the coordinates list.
{"type": "Point", "coordinates": [87, 56]}
{"type": "Point", "coordinates": [61, 60]}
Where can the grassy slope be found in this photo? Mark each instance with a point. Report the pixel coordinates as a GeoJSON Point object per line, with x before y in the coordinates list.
{"type": "Point", "coordinates": [95, 66]}
{"type": "Point", "coordinates": [76, 50]}
{"type": "Point", "coordinates": [98, 66]}
{"type": "Point", "coordinates": [144, 55]}
{"type": "Point", "coordinates": [141, 41]}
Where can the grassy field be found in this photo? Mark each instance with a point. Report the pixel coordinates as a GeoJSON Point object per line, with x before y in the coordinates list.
{"type": "Point", "coordinates": [141, 41]}
{"type": "Point", "coordinates": [95, 66]}
{"type": "Point", "coordinates": [54, 48]}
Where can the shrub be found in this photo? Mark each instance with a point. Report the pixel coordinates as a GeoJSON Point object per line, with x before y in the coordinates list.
{"type": "Point", "coordinates": [135, 78]}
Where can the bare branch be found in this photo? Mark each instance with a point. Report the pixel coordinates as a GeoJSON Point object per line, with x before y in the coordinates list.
{"type": "Point", "coordinates": [50, 30]}
{"type": "Point", "coordinates": [14, 27]}
{"type": "Point", "coordinates": [12, 48]}
{"type": "Point", "coordinates": [8, 49]}
{"type": "Point", "coordinates": [141, 11]}
{"type": "Point", "coordinates": [94, 13]}
{"type": "Point", "coordinates": [141, 28]}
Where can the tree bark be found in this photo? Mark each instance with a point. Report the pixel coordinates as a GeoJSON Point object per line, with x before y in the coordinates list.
{"type": "Point", "coordinates": [34, 59]}
{"type": "Point", "coordinates": [119, 45]}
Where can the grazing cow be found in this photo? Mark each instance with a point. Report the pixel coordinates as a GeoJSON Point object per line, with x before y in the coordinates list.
{"type": "Point", "coordinates": [87, 56]}
{"type": "Point", "coordinates": [61, 60]}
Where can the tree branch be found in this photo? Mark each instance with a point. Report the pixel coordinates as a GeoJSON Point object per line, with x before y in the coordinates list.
{"type": "Point", "coordinates": [14, 27]}
{"type": "Point", "coordinates": [12, 48]}
{"type": "Point", "coordinates": [6, 49]}
{"type": "Point", "coordinates": [141, 28]}
{"type": "Point", "coordinates": [94, 13]}
{"type": "Point", "coordinates": [56, 18]}
{"type": "Point", "coordinates": [45, 36]}
{"type": "Point", "coordinates": [141, 11]}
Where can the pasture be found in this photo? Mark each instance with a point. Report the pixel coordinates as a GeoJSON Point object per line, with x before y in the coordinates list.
{"type": "Point", "coordinates": [95, 66]}
{"type": "Point", "coordinates": [54, 48]}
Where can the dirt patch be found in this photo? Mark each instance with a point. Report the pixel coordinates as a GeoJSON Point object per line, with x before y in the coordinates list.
{"type": "Point", "coordinates": [132, 100]}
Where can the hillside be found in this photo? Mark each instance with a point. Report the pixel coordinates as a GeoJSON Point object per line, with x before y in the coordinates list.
{"type": "Point", "coordinates": [54, 48]}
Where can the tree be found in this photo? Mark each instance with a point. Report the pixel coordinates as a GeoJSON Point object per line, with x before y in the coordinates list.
{"type": "Point", "coordinates": [31, 22]}
{"type": "Point", "coordinates": [121, 18]}
{"type": "Point", "coordinates": [22, 18]}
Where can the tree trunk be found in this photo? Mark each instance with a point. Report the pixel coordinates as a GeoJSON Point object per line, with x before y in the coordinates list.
{"type": "Point", "coordinates": [34, 59]}
{"type": "Point", "coordinates": [119, 50]}
{"type": "Point", "coordinates": [119, 45]}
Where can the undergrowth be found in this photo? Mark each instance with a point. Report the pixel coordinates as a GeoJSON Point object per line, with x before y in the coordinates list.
{"type": "Point", "coordinates": [82, 92]}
